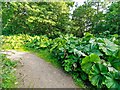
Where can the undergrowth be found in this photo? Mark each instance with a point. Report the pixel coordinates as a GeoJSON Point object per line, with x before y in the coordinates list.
{"type": "Point", "coordinates": [92, 61]}
{"type": "Point", "coordinates": [7, 73]}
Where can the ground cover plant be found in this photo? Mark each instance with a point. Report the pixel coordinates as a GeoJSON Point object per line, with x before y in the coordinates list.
{"type": "Point", "coordinates": [7, 73]}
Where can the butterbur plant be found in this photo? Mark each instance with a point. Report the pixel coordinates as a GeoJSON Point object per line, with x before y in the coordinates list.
{"type": "Point", "coordinates": [88, 62]}
{"type": "Point", "coordinates": [97, 74]}
{"type": "Point", "coordinates": [91, 60]}
{"type": "Point", "coordinates": [112, 80]}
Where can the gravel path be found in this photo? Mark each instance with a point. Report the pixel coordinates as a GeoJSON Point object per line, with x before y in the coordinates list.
{"type": "Point", "coordinates": [34, 72]}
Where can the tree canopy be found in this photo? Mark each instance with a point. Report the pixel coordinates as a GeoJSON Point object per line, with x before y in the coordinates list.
{"type": "Point", "coordinates": [53, 18]}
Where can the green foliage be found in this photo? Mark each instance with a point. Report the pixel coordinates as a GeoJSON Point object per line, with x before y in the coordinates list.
{"type": "Point", "coordinates": [100, 18]}
{"type": "Point", "coordinates": [107, 46]}
{"type": "Point", "coordinates": [35, 17]}
{"type": "Point", "coordinates": [37, 42]}
{"type": "Point", "coordinates": [13, 42]}
{"type": "Point", "coordinates": [52, 18]}
{"type": "Point", "coordinates": [113, 80]}
{"type": "Point", "coordinates": [7, 75]}
{"type": "Point", "coordinates": [18, 41]}
{"type": "Point", "coordinates": [97, 74]}
{"type": "Point", "coordinates": [110, 22]}
{"type": "Point", "coordinates": [88, 59]}
{"type": "Point", "coordinates": [112, 18]}
{"type": "Point", "coordinates": [88, 62]}
{"type": "Point", "coordinates": [83, 18]}
{"type": "Point", "coordinates": [92, 61]}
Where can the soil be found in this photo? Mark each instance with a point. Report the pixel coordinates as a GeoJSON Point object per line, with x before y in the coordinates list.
{"type": "Point", "coordinates": [34, 72]}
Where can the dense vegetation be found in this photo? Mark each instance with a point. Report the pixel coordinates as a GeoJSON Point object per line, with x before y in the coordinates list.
{"type": "Point", "coordinates": [53, 18]}
{"type": "Point", "coordinates": [86, 45]}
{"type": "Point", "coordinates": [95, 20]}
{"type": "Point", "coordinates": [35, 18]}
{"type": "Point", "coordinates": [90, 60]}
{"type": "Point", "coordinates": [7, 73]}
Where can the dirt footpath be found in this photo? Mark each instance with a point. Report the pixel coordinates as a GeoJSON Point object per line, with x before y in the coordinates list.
{"type": "Point", "coordinates": [34, 72]}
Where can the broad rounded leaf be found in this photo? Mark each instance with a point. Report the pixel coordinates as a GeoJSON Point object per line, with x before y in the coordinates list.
{"type": "Point", "coordinates": [97, 73]}
{"type": "Point", "coordinates": [116, 64]}
{"type": "Point", "coordinates": [113, 80]}
{"type": "Point", "coordinates": [108, 47]}
{"type": "Point", "coordinates": [88, 62]}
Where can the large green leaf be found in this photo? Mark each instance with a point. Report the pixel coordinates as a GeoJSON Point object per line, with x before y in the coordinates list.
{"type": "Point", "coordinates": [68, 65]}
{"type": "Point", "coordinates": [108, 47]}
{"type": "Point", "coordinates": [88, 62]}
{"type": "Point", "coordinates": [116, 64]}
{"type": "Point", "coordinates": [96, 75]}
{"type": "Point", "coordinates": [113, 80]}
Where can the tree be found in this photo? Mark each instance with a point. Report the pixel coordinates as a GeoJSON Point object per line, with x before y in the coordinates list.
{"type": "Point", "coordinates": [35, 17]}
{"type": "Point", "coordinates": [97, 18]}
{"type": "Point", "coordinates": [83, 19]}
{"type": "Point", "coordinates": [113, 18]}
{"type": "Point", "coordinates": [110, 23]}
